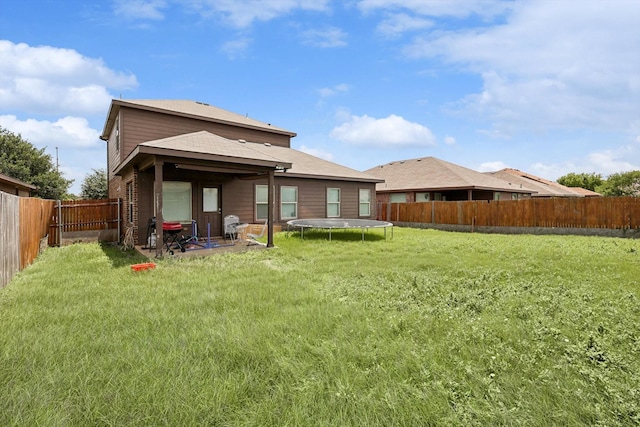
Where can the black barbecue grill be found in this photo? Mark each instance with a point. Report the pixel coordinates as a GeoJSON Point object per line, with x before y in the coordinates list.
{"type": "Point", "coordinates": [171, 239]}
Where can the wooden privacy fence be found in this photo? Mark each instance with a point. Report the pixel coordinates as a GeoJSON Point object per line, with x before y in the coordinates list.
{"type": "Point", "coordinates": [592, 212]}
{"type": "Point", "coordinates": [84, 215]}
{"type": "Point", "coordinates": [23, 225]}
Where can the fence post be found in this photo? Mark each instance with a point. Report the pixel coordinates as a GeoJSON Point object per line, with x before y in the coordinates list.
{"type": "Point", "coordinates": [59, 223]}
{"type": "Point", "coordinates": [433, 212]}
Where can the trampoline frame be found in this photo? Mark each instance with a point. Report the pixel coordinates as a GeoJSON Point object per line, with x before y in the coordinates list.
{"type": "Point", "coordinates": [339, 223]}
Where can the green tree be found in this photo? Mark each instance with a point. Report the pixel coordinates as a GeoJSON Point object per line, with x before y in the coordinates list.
{"type": "Point", "coordinates": [95, 186]}
{"type": "Point", "coordinates": [621, 184]}
{"type": "Point", "coordinates": [19, 159]}
{"type": "Point", "coordinates": [590, 181]}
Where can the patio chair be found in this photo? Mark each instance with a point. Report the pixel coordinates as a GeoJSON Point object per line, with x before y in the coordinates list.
{"type": "Point", "coordinates": [230, 224]}
{"type": "Point", "coordinates": [253, 237]}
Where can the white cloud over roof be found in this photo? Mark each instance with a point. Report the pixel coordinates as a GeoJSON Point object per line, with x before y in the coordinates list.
{"type": "Point", "coordinates": [551, 65]}
{"type": "Point", "coordinates": [385, 132]}
{"type": "Point", "coordinates": [47, 79]}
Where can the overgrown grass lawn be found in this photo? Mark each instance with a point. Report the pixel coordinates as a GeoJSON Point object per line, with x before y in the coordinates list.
{"type": "Point", "coordinates": [427, 328]}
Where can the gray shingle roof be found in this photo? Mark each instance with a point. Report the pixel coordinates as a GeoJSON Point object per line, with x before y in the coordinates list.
{"type": "Point", "coordinates": [304, 164]}
{"type": "Point", "coordinates": [194, 109]}
{"type": "Point", "coordinates": [298, 163]}
{"type": "Point", "coordinates": [543, 187]}
{"type": "Point", "coordinates": [430, 174]}
{"type": "Point", "coordinates": [204, 142]}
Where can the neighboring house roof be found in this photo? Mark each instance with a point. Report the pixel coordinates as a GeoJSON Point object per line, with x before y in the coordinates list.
{"type": "Point", "coordinates": [13, 182]}
{"type": "Point", "coordinates": [432, 174]}
{"type": "Point", "coordinates": [543, 187]}
{"type": "Point", "coordinates": [186, 108]}
{"type": "Point", "coordinates": [204, 145]}
{"type": "Point", "coordinates": [585, 192]}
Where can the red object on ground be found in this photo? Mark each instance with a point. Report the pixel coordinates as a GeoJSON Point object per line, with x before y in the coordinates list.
{"type": "Point", "coordinates": [144, 266]}
{"type": "Point", "coordinates": [171, 226]}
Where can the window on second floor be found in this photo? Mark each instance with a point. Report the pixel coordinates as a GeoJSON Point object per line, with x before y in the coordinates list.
{"type": "Point", "coordinates": [117, 134]}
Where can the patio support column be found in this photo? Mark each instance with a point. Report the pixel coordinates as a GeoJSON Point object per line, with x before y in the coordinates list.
{"type": "Point", "coordinates": [272, 207]}
{"type": "Point", "coordinates": [470, 194]}
{"type": "Point", "coordinates": [157, 199]}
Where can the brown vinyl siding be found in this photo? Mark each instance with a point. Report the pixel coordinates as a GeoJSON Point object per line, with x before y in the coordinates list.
{"type": "Point", "coordinates": [114, 156]}
{"type": "Point", "coordinates": [138, 126]}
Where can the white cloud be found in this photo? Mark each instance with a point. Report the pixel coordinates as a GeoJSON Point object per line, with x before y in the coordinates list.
{"type": "Point", "coordinates": [236, 48]}
{"type": "Point", "coordinates": [47, 79]}
{"type": "Point", "coordinates": [449, 140]}
{"type": "Point", "coordinates": [392, 131]}
{"type": "Point", "coordinates": [71, 132]}
{"type": "Point", "coordinates": [140, 9]}
{"type": "Point", "coordinates": [317, 153]}
{"type": "Point", "coordinates": [453, 8]}
{"type": "Point", "coordinates": [326, 92]}
{"type": "Point", "coordinates": [553, 65]}
{"type": "Point", "coordinates": [242, 13]}
{"type": "Point", "coordinates": [399, 23]}
{"type": "Point", "coordinates": [605, 162]}
{"type": "Point", "coordinates": [492, 166]}
{"type": "Point", "coordinates": [330, 37]}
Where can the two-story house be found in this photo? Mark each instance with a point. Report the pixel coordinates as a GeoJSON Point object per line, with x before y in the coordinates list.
{"type": "Point", "coordinates": [176, 160]}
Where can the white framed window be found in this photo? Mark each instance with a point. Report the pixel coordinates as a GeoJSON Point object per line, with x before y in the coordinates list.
{"type": "Point", "coordinates": [130, 201]}
{"type": "Point", "coordinates": [423, 197]}
{"type": "Point", "coordinates": [496, 195]}
{"type": "Point", "coordinates": [398, 198]}
{"type": "Point", "coordinates": [288, 202]}
{"type": "Point", "coordinates": [262, 202]}
{"type": "Point", "coordinates": [117, 133]}
{"type": "Point", "coordinates": [333, 202]}
{"type": "Point", "coordinates": [210, 199]}
{"type": "Point", "coordinates": [176, 201]}
{"type": "Point", "coordinates": [364, 208]}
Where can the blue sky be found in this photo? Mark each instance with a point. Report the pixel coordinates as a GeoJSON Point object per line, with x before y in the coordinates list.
{"type": "Point", "coordinates": [547, 87]}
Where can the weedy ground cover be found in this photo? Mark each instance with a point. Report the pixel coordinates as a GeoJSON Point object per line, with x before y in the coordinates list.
{"type": "Point", "coordinates": [427, 328]}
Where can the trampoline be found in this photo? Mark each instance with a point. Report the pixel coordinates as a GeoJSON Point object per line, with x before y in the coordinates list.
{"type": "Point", "coordinates": [339, 223]}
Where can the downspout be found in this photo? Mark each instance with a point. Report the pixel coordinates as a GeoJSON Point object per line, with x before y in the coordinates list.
{"type": "Point", "coordinates": [157, 185]}
{"type": "Point", "coordinates": [271, 202]}
{"type": "Point", "coordinates": [119, 220]}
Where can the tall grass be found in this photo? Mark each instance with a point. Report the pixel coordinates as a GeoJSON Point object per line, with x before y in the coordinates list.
{"type": "Point", "coordinates": [427, 328]}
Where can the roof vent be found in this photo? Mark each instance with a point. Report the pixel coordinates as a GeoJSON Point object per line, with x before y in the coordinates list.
{"type": "Point", "coordinates": [242, 141]}
{"type": "Point", "coordinates": [266, 144]}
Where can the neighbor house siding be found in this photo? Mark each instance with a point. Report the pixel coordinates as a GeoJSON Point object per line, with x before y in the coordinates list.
{"type": "Point", "coordinates": [138, 126]}
{"type": "Point", "coordinates": [12, 189]}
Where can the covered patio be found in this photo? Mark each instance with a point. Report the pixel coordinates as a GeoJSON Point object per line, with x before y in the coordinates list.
{"type": "Point", "coordinates": [211, 165]}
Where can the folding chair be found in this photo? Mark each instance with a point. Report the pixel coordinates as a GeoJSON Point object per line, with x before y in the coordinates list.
{"type": "Point", "coordinates": [253, 237]}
